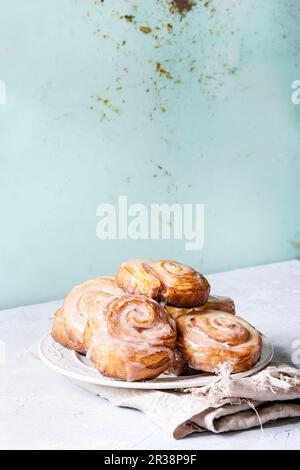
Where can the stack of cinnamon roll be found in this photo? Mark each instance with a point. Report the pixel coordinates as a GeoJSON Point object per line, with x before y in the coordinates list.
{"type": "Point", "coordinates": [154, 317]}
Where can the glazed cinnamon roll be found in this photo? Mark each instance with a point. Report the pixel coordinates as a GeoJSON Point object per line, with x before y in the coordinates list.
{"type": "Point", "coordinates": [59, 330]}
{"type": "Point", "coordinates": [212, 338]}
{"type": "Point", "coordinates": [85, 300]}
{"type": "Point", "coordinates": [165, 281]}
{"type": "Point", "coordinates": [135, 341]}
{"type": "Point", "coordinates": [215, 302]}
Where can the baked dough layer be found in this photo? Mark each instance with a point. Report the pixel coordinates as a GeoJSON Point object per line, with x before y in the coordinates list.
{"type": "Point", "coordinates": [166, 281]}
{"type": "Point", "coordinates": [135, 341]}
{"type": "Point", "coordinates": [85, 301]}
{"type": "Point", "coordinates": [214, 302]}
{"type": "Point", "coordinates": [212, 338]}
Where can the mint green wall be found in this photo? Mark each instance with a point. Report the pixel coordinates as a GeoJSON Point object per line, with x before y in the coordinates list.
{"type": "Point", "coordinates": [223, 126]}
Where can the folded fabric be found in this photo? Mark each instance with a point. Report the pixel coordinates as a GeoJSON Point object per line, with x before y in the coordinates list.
{"type": "Point", "coordinates": [229, 403]}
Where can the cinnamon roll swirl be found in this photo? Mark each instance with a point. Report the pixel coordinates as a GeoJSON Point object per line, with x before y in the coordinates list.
{"type": "Point", "coordinates": [215, 302]}
{"type": "Point", "coordinates": [165, 281]}
{"type": "Point", "coordinates": [136, 339]}
{"type": "Point", "coordinates": [84, 301]}
{"type": "Point", "coordinates": [212, 338]}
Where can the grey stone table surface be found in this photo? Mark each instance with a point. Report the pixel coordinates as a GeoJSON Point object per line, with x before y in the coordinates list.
{"type": "Point", "coordinates": [39, 409]}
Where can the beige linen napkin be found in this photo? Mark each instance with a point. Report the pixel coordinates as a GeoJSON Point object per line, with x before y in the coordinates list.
{"type": "Point", "coordinates": [228, 404]}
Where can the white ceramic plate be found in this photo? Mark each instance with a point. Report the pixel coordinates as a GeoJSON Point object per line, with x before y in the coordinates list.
{"type": "Point", "coordinates": [78, 367]}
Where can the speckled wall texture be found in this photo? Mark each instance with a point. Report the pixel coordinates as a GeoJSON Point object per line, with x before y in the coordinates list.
{"type": "Point", "coordinates": [163, 101]}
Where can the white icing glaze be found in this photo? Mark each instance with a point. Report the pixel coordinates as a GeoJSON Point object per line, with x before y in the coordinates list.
{"type": "Point", "coordinates": [85, 299]}
{"type": "Point", "coordinates": [135, 327]}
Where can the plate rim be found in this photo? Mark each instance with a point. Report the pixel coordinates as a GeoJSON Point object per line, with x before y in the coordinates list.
{"type": "Point", "coordinates": [165, 383]}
